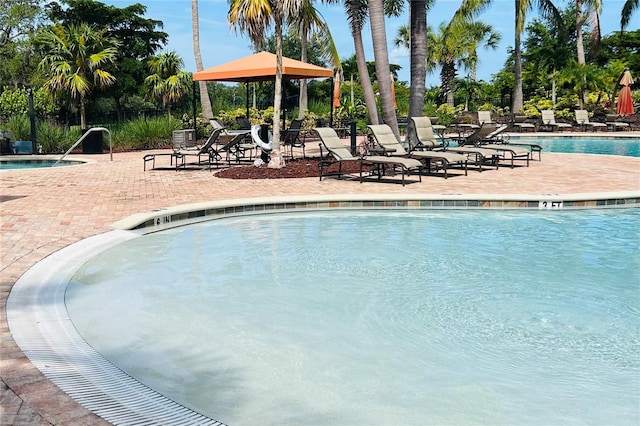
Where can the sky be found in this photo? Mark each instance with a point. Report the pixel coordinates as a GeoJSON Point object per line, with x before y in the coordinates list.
{"type": "Point", "coordinates": [218, 44]}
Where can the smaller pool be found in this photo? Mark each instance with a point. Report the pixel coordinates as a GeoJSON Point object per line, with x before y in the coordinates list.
{"type": "Point", "coordinates": [40, 163]}
{"type": "Point", "coordinates": [629, 147]}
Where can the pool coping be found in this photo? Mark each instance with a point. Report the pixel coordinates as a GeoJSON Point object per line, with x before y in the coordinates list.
{"type": "Point", "coordinates": [180, 215]}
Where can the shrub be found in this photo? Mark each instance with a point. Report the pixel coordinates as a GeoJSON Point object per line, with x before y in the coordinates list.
{"type": "Point", "coordinates": [145, 133]}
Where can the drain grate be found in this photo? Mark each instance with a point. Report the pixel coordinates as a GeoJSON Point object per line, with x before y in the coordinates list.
{"type": "Point", "coordinates": [41, 327]}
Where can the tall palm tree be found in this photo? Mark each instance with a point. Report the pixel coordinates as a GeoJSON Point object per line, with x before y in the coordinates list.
{"type": "Point", "coordinates": [74, 61]}
{"type": "Point", "coordinates": [379, 38]}
{"type": "Point", "coordinates": [627, 10]}
{"type": "Point", "coordinates": [309, 22]}
{"type": "Point", "coordinates": [548, 11]}
{"type": "Point", "coordinates": [205, 101]}
{"type": "Point", "coordinates": [254, 17]}
{"type": "Point", "coordinates": [594, 8]}
{"type": "Point", "coordinates": [478, 34]}
{"type": "Point", "coordinates": [357, 12]}
{"type": "Point", "coordinates": [418, 54]}
{"type": "Point", "coordinates": [167, 81]}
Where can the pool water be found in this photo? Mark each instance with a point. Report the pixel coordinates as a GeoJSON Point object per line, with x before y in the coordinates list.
{"type": "Point", "coordinates": [610, 146]}
{"type": "Point", "coordinates": [34, 164]}
{"type": "Point", "coordinates": [426, 317]}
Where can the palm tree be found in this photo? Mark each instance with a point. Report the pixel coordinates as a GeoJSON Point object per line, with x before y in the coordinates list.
{"type": "Point", "coordinates": [356, 11]}
{"type": "Point", "coordinates": [581, 78]}
{"type": "Point", "coordinates": [478, 34]}
{"type": "Point", "coordinates": [379, 38]}
{"type": "Point", "coordinates": [254, 17]}
{"type": "Point", "coordinates": [167, 81]}
{"type": "Point", "coordinates": [307, 23]}
{"type": "Point", "coordinates": [74, 60]}
{"type": "Point", "coordinates": [594, 8]}
{"type": "Point", "coordinates": [205, 101]}
{"type": "Point", "coordinates": [548, 10]}
{"type": "Point", "coordinates": [627, 10]}
{"type": "Point", "coordinates": [418, 54]}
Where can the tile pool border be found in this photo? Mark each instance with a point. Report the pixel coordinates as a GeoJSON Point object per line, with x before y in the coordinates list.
{"type": "Point", "coordinates": [171, 217]}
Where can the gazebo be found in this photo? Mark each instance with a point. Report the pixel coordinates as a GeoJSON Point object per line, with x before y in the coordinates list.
{"type": "Point", "coordinates": [260, 67]}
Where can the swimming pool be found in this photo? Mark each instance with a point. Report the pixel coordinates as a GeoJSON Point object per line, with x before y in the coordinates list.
{"type": "Point", "coordinates": [378, 317]}
{"type": "Point", "coordinates": [586, 145]}
{"type": "Point", "coordinates": [41, 163]}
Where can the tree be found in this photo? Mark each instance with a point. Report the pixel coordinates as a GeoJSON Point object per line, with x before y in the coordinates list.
{"type": "Point", "coordinates": [594, 8]}
{"type": "Point", "coordinates": [19, 20]}
{"type": "Point", "coordinates": [254, 17]}
{"type": "Point", "coordinates": [379, 38]}
{"type": "Point", "coordinates": [309, 23]}
{"type": "Point", "coordinates": [167, 82]}
{"type": "Point", "coordinates": [75, 61]}
{"type": "Point", "coordinates": [478, 34]}
{"type": "Point", "coordinates": [580, 78]}
{"type": "Point", "coordinates": [418, 54]}
{"type": "Point", "coordinates": [627, 10]}
{"type": "Point", "coordinates": [356, 11]}
{"type": "Point", "coordinates": [140, 38]}
{"type": "Point", "coordinates": [205, 101]}
{"type": "Point", "coordinates": [522, 7]}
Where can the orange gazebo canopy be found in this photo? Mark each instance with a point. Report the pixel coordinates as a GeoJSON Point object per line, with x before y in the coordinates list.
{"type": "Point", "coordinates": [261, 67]}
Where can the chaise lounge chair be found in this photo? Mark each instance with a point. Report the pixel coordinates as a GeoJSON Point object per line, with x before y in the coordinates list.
{"type": "Point", "coordinates": [385, 138]}
{"type": "Point", "coordinates": [338, 153]}
{"type": "Point", "coordinates": [425, 138]}
{"type": "Point", "coordinates": [549, 120]}
{"type": "Point", "coordinates": [487, 137]}
{"type": "Point", "coordinates": [582, 118]}
{"type": "Point", "coordinates": [180, 153]}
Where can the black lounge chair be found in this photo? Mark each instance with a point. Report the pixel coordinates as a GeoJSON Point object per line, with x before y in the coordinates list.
{"type": "Point", "coordinates": [487, 138]}
{"type": "Point", "coordinates": [338, 153]}
{"type": "Point", "coordinates": [291, 137]}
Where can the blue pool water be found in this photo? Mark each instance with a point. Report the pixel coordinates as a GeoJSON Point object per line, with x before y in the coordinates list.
{"type": "Point", "coordinates": [610, 146]}
{"type": "Point", "coordinates": [431, 317]}
{"type": "Point", "coordinates": [34, 164]}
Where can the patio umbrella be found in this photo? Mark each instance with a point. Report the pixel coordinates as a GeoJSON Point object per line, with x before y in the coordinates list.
{"type": "Point", "coordinates": [393, 90]}
{"type": "Point", "coordinates": [336, 90]}
{"type": "Point", "coordinates": [625, 103]}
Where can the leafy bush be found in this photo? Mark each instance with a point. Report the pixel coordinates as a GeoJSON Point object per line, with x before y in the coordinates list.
{"type": "Point", "coordinates": [145, 133]}
{"type": "Point", "coordinates": [16, 102]}
{"type": "Point", "coordinates": [55, 139]}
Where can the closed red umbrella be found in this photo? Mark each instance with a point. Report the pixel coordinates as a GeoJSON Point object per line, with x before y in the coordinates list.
{"type": "Point", "coordinates": [625, 102]}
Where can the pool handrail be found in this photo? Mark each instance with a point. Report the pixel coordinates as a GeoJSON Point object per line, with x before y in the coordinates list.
{"type": "Point", "coordinates": [97, 129]}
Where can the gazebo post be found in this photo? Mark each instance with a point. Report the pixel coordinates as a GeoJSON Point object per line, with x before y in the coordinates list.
{"type": "Point", "coordinates": [333, 83]}
{"type": "Point", "coordinates": [246, 85]}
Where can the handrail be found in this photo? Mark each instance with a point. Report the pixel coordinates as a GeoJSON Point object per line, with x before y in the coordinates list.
{"type": "Point", "coordinates": [97, 129]}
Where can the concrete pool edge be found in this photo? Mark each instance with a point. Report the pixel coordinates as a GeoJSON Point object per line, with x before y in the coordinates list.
{"type": "Point", "coordinates": [185, 214]}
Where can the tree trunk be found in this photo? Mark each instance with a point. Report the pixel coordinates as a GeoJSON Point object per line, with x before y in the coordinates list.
{"type": "Point", "coordinates": [277, 98]}
{"type": "Point", "coordinates": [205, 101]}
{"type": "Point", "coordinates": [83, 114]}
{"type": "Point", "coordinates": [518, 101]}
{"type": "Point", "coordinates": [365, 79]}
{"type": "Point", "coordinates": [379, 39]}
{"type": "Point", "coordinates": [303, 104]}
{"type": "Point", "coordinates": [418, 54]}
{"type": "Point", "coordinates": [579, 38]}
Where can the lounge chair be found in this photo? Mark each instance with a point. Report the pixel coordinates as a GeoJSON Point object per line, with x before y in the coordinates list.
{"type": "Point", "coordinates": [521, 125]}
{"type": "Point", "coordinates": [243, 122]}
{"type": "Point", "coordinates": [582, 119]}
{"type": "Point", "coordinates": [385, 138]}
{"type": "Point", "coordinates": [180, 153]}
{"type": "Point", "coordinates": [339, 153]}
{"type": "Point", "coordinates": [291, 137]}
{"type": "Point", "coordinates": [427, 140]}
{"type": "Point", "coordinates": [487, 137]}
{"type": "Point", "coordinates": [498, 136]}
{"type": "Point", "coordinates": [549, 120]}
{"type": "Point", "coordinates": [235, 150]}
{"type": "Point", "coordinates": [484, 117]}
{"type": "Point", "coordinates": [615, 125]}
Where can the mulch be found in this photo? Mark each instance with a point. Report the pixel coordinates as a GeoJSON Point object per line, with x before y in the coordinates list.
{"type": "Point", "coordinates": [297, 168]}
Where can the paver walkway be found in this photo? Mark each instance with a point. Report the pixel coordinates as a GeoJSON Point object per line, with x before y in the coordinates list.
{"type": "Point", "coordinates": [44, 210]}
